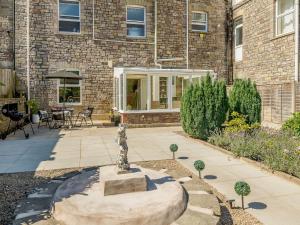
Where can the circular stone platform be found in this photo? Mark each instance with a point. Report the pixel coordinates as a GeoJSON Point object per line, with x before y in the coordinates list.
{"type": "Point", "coordinates": [80, 200]}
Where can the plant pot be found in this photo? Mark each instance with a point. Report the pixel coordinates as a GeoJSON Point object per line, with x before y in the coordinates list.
{"type": "Point", "coordinates": [35, 118]}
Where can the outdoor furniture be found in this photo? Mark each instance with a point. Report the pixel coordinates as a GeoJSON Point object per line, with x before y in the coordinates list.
{"type": "Point", "coordinates": [18, 118]}
{"type": "Point", "coordinates": [64, 115]}
{"type": "Point", "coordinates": [86, 114]}
{"type": "Point", "coordinates": [45, 117]}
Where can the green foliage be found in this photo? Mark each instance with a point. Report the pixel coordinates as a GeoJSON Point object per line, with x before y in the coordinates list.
{"type": "Point", "coordinates": [245, 99]}
{"type": "Point", "coordinates": [199, 165]}
{"type": "Point", "coordinates": [242, 188]}
{"type": "Point", "coordinates": [293, 124]}
{"type": "Point", "coordinates": [33, 106]}
{"type": "Point", "coordinates": [238, 123]}
{"type": "Point", "coordinates": [279, 150]}
{"type": "Point", "coordinates": [204, 107]}
{"type": "Point", "coordinates": [173, 148]}
{"type": "Point", "coordinates": [2, 84]}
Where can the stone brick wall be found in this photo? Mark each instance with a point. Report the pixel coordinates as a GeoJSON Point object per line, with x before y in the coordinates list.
{"type": "Point", "coordinates": [51, 50]}
{"type": "Point", "coordinates": [268, 60]}
{"type": "Point", "coordinates": [6, 33]}
{"type": "Point", "coordinates": [150, 118]}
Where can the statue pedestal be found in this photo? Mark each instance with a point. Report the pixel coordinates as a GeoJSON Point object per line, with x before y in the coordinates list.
{"type": "Point", "coordinates": [113, 183]}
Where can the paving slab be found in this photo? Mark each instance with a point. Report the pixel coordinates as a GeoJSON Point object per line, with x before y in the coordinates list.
{"type": "Point", "coordinates": [273, 200]}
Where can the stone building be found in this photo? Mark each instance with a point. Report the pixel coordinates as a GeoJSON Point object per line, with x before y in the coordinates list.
{"type": "Point", "coordinates": [265, 51]}
{"type": "Point", "coordinates": [139, 55]}
{"type": "Point", "coordinates": [134, 55]}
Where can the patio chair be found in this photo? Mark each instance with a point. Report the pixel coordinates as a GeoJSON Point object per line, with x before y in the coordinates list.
{"type": "Point", "coordinates": [86, 114]}
{"type": "Point", "coordinates": [45, 117]}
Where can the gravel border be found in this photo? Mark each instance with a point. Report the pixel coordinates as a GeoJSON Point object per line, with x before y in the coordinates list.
{"type": "Point", "coordinates": [15, 187]}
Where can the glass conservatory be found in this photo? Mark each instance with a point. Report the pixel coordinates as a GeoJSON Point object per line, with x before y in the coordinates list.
{"type": "Point", "coordinates": [152, 90]}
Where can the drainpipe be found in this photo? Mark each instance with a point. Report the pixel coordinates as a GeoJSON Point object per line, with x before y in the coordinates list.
{"type": "Point", "coordinates": [14, 35]}
{"type": "Point", "coordinates": [296, 54]}
{"type": "Point", "coordinates": [187, 34]}
{"type": "Point", "coordinates": [28, 50]}
{"type": "Point", "coordinates": [155, 37]}
{"type": "Point", "coordinates": [297, 41]}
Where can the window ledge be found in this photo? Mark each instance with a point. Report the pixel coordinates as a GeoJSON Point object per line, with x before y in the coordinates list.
{"type": "Point", "coordinates": [68, 33]}
{"type": "Point", "coordinates": [200, 32]}
{"type": "Point", "coordinates": [282, 35]}
{"type": "Point", "coordinates": [137, 38]}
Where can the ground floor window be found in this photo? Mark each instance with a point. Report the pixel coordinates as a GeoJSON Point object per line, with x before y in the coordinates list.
{"type": "Point", "coordinates": [69, 90]}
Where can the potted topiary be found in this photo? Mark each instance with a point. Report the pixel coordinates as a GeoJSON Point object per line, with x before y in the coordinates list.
{"type": "Point", "coordinates": [242, 189]}
{"type": "Point", "coordinates": [34, 108]}
{"type": "Point", "coordinates": [173, 149]}
{"type": "Point", "coordinates": [199, 166]}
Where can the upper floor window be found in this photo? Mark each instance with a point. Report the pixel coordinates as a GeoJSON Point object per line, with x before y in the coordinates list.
{"type": "Point", "coordinates": [285, 10]}
{"type": "Point", "coordinates": [200, 21]}
{"type": "Point", "coordinates": [69, 16]}
{"type": "Point", "coordinates": [136, 21]}
{"type": "Point", "coordinates": [238, 39]}
{"type": "Point", "coordinates": [234, 2]}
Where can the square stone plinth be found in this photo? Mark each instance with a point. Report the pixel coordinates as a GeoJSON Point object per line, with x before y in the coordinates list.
{"type": "Point", "coordinates": [114, 183]}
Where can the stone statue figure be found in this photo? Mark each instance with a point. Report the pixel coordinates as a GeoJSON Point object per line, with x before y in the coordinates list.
{"type": "Point", "coordinates": [122, 163]}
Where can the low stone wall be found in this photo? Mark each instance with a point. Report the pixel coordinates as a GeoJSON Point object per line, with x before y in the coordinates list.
{"type": "Point", "coordinates": [150, 118]}
{"type": "Point", "coordinates": [3, 101]}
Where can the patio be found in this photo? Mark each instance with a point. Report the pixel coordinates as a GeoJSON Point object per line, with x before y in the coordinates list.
{"type": "Point", "coordinates": [94, 146]}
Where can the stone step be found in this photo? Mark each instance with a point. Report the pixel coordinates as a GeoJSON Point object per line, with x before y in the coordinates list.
{"type": "Point", "coordinates": [207, 202]}
{"type": "Point", "coordinates": [196, 186]}
{"type": "Point", "coordinates": [45, 190]}
{"type": "Point", "coordinates": [40, 219]}
{"type": "Point", "coordinates": [33, 204]}
{"type": "Point", "coordinates": [196, 218]}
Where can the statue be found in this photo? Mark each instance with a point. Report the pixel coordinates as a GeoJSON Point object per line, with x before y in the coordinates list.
{"type": "Point", "coordinates": [122, 163]}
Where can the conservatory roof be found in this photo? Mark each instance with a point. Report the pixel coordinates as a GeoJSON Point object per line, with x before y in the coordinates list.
{"type": "Point", "coordinates": [155, 71]}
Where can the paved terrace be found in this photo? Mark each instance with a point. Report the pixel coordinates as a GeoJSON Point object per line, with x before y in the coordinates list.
{"type": "Point", "coordinates": [273, 200]}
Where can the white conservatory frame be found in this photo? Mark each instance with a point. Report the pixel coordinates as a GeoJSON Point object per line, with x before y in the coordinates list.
{"type": "Point", "coordinates": [120, 87]}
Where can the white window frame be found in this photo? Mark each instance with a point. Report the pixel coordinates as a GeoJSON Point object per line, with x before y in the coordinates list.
{"type": "Point", "coordinates": [194, 22]}
{"type": "Point", "coordinates": [235, 2]}
{"type": "Point", "coordinates": [59, 85]}
{"type": "Point", "coordinates": [238, 47]}
{"type": "Point", "coordinates": [133, 22]}
{"type": "Point", "coordinates": [70, 20]}
{"type": "Point", "coordinates": [278, 16]}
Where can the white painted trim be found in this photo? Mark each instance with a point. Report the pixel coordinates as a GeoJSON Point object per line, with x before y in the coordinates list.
{"type": "Point", "coordinates": [59, 19]}
{"type": "Point", "coordinates": [137, 22]}
{"type": "Point", "coordinates": [70, 85]}
{"type": "Point", "coordinates": [200, 23]}
{"type": "Point", "coordinates": [277, 16]}
{"type": "Point", "coordinates": [28, 49]}
{"type": "Point", "coordinates": [238, 48]}
{"type": "Point", "coordinates": [187, 33]}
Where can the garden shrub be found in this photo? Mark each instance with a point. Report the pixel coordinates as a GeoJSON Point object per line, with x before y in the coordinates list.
{"type": "Point", "coordinates": [204, 107]}
{"type": "Point", "coordinates": [238, 124]}
{"type": "Point", "coordinates": [278, 150]}
{"type": "Point", "coordinates": [245, 99]}
{"type": "Point", "coordinates": [293, 124]}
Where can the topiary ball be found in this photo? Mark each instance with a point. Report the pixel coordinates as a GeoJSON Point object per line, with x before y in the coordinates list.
{"type": "Point", "coordinates": [173, 148]}
{"type": "Point", "coordinates": [242, 188]}
{"type": "Point", "coordinates": [199, 165]}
